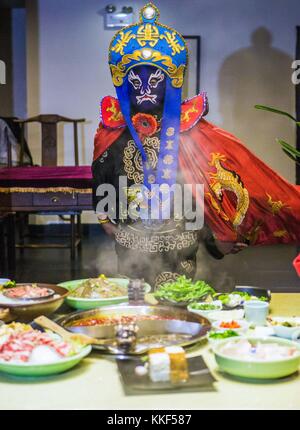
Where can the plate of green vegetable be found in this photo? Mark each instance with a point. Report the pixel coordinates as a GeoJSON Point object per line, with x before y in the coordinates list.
{"type": "Point", "coordinates": [216, 336]}
{"type": "Point", "coordinates": [204, 308]}
{"type": "Point", "coordinates": [239, 295]}
{"type": "Point", "coordinates": [183, 291]}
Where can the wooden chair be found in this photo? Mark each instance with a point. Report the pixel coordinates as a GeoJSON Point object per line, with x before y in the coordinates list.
{"type": "Point", "coordinates": [2, 245]}
{"type": "Point", "coordinates": [49, 125]}
{"type": "Point", "coordinates": [7, 245]}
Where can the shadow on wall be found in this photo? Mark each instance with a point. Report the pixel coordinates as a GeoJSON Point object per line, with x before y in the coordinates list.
{"type": "Point", "coordinates": [259, 74]}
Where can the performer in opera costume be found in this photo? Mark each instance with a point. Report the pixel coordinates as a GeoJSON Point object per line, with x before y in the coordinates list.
{"type": "Point", "coordinates": [149, 136]}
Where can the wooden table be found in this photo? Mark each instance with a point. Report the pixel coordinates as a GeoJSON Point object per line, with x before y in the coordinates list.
{"type": "Point", "coordinates": [95, 384]}
{"type": "Point", "coordinates": [46, 201]}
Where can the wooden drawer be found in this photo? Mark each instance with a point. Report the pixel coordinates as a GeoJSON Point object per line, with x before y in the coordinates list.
{"type": "Point", "coordinates": [85, 199]}
{"type": "Point", "coordinates": [11, 200]}
{"type": "Point", "coordinates": [54, 199]}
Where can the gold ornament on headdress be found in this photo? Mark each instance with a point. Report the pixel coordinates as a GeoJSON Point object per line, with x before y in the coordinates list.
{"type": "Point", "coordinates": [120, 71]}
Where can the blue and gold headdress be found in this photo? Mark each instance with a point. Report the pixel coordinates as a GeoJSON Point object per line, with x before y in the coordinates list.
{"type": "Point", "coordinates": [151, 43]}
{"type": "Point", "coordinates": [148, 42]}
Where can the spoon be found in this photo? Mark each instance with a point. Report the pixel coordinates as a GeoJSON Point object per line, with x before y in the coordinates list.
{"type": "Point", "coordinates": [67, 336]}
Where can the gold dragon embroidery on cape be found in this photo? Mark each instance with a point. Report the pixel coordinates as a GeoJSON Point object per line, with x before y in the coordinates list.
{"type": "Point", "coordinates": [185, 116]}
{"type": "Point", "coordinates": [116, 114]}
{"type": "Point", "coordinates": [225, 179]}
{"type": "Point", "coordinates": [276, 206]}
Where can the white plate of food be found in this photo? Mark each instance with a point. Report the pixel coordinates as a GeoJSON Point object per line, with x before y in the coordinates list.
{"type": "Point", "coordinates": [85, 294]}
{"type": "Point", "coordinates": [25, 351]}
{"type": "Point", "coordinates": [286, 327]}
{"type": "Point", "coordinates": [228, 315]}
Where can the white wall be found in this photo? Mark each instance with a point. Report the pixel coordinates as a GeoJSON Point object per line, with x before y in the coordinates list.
{"type": "Point", "coordinates": [19, 61]}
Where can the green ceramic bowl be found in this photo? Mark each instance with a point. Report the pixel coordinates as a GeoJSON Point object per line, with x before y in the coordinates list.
{"type": "Point", "coordinates": [87, 304]}
{"type": "Point", "coordinates": [31, 370]}
{"type": "Point", "coordinates": [257, 369]}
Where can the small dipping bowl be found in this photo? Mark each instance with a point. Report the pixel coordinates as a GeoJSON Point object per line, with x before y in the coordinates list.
{"type": "Point", "coordinates": [244, 325]}
{"type": "Point", "coordinates": [256, 312]}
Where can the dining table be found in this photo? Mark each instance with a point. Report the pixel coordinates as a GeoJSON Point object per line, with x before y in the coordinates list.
{"type": "Point", "coordinates": [95, 383]}
{"type": "Point", "coordinates": [42, 189]}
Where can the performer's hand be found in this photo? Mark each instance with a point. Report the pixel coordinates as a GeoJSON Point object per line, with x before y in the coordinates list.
{"type": "Point", "coordinates": [109, 228]}
{"type": "Point", "coordinates": [230, 247]}
{"type": "Point", "coordinates": [107, 225]}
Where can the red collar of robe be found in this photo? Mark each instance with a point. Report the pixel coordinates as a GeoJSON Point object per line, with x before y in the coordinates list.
{"type": "Point", "coordinates": [112, 123]}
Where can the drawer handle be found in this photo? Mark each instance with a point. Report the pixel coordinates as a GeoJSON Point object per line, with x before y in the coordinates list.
{"type": "Point", "coordinates": [55, 199]}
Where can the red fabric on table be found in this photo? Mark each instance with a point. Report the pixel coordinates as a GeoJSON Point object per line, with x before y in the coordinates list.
{"type": "Point", "coordinates": [45, 177]}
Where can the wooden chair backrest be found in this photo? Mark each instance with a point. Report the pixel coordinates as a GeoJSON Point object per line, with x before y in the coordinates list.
{"type": "Point", "coordinates": [49, 136]}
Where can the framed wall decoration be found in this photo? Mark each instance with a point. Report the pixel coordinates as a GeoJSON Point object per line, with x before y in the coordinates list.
{"type": "Point", "coordinates": [191, 85]}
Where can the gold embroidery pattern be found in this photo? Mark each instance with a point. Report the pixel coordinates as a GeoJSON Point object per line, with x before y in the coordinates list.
{"type": "Point", "coordinates": [156, 243]}
{"type": "Point", "coordinates": [275, 206]}
{"type": "Point", "coordinates": [172, 42]}
{"type": "Point", "coordinates": [116, 114]}
{"type": "Point", "coordinates": [147, 33]}
{"type": "Point", "coordinates": [217, 207]}
{"type": "Point", "coordinates": [151, 179]}
{"type": "Point", "coordinates": [280, 233]}
{"type": "Point", "coordinates": [168, 159]}
{"type": "Point", "coordinates": [164, 277]}
{"type": "Point", "coordinates": [225, 179]}
{"type": "Point", "coordinates": [120, 70]}
{"type": "Point", "coordinates": [170, 131]}
{"type": "Point", "coordinates": [253, 233]}
{"type": "Point", "coordinates": [123, 41]}
{"type": "Point", "coordinates": [167, 174]}
{"type": "Point", "coordinates": [188, 265]}
{"type": "Point", "coordinates": [185, 116]}
{"type": "Point", "coordinates": [132, 158]}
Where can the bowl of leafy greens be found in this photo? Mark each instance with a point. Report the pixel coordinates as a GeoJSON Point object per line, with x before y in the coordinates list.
{"type": "Point", "coordinates": [217, 336]}
{"type": "Point", "coordinates": [204, 308]}
{"type": "Point", "coordinates": [183, 291]}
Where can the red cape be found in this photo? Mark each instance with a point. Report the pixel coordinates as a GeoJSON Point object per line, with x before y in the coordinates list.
{"type": "Point", "coordinates": [245, 200]}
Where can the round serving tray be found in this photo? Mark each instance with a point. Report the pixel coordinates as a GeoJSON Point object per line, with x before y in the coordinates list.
{"type": "Point", "coordinates": [182, 327]}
